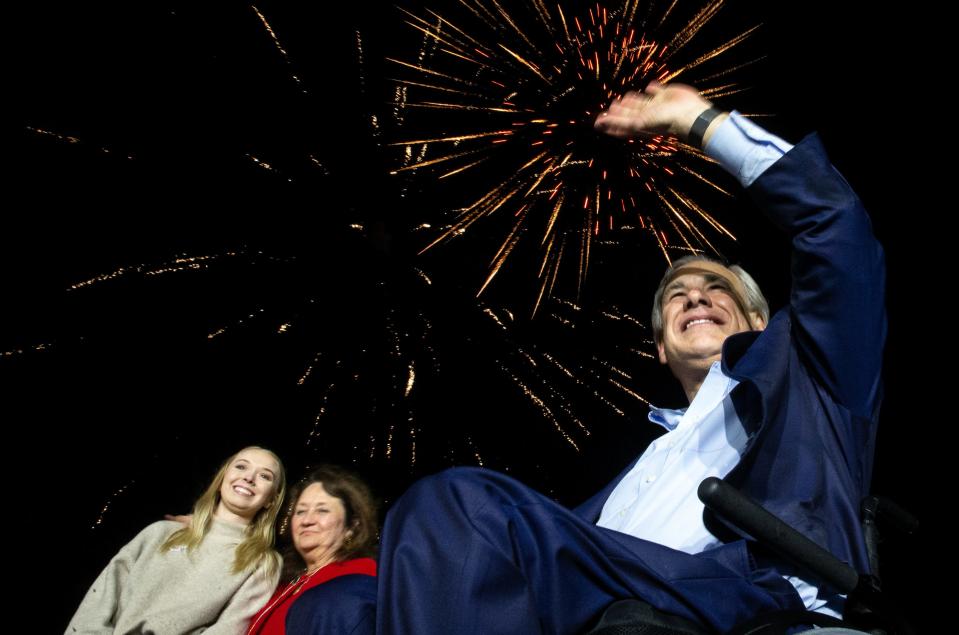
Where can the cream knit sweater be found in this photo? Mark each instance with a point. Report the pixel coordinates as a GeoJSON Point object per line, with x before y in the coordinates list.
{"type": "Point", "coordinates": [149, 592]}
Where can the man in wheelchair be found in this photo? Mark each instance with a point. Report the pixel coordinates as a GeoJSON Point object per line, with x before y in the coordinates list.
{"type": "Point", "coordinates": [784, 408]}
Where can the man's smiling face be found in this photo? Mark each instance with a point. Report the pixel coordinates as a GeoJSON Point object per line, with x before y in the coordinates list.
{"type": "Point", "coordinates": [700, 310]}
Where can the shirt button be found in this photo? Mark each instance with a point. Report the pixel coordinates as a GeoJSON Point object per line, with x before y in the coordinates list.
{"type": "Point", "coordinates": [650, 478]}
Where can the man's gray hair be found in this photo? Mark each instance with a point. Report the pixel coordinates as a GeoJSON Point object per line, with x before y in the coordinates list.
{"type": "Point", "coordinates": [755, 300]}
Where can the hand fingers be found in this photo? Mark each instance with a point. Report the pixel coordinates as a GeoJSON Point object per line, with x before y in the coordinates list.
{"type": "Point", "coordinates": [654, 88]}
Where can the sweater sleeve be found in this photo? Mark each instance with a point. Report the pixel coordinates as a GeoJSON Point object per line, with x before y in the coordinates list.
{"type": "Point", "coordinates": [97, 611]}
{"type": "Point", "coordinates": [252, 595]}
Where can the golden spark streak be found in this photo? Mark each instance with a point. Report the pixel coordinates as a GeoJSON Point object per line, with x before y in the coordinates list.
{"type": "Point", "coordinates": [106, 506]}
{"type": "Point", "coordinates": [462, 169]}
{"type": "Point", "coordinates": [308, 371]}
{"type": "Point", "coordinates": [545, 410]}
{"type": "Point", "coordinates": [559, 257]}
{"type": "Point", "coordinates": [276, 41]}
{"type": "Point", "coordinates": [479, 459]}
{"type": "Point", "coordinates": [489, 195]}
{"type": "Point", "coordinates": [20, 351]}
{"type": "Point", "coordinates": [464, 57]}
{"type": "Point", "coordinates": [502, 201]}
{"type": "Point", "coordinates": [409, 381]}
{"type": "Point", "coordinates": [547, 251]}
{"type": "Point", "coordinates": [587, 239]}
{"type": "Point", "coordinates": [659, 241]}
{"type": "Point", "coordinates": [572, 305]}
{"type": "Point", "coordinates": [562, 19]}
{"type": "Point", "coordinates": [488, 16]}
{"type": "Point", "coordinates": [542, 175]}
{"type": "Point", "coordinates": [562, 368]}
{"type": "Point", "coordinates": [710, 55]}
{"type": "Point", "coordinates": [732, 69]}
{"type": "Point", "coordinates": [717, 90]}
{"type": "Point", "coordinates": [717, 93]}
{"type": "Point", "coordinates": [430, 31]}
{"type": "Point", "coordinates": [680, 233]}
{"type": "Point", "coordinates": [697, 22]}
{"type": "Point", "coordinates": [48, 133]}
{"type": "Point", "coordinates": [691, 204]}
{"type": "Point", "coordinates": [553, 216]}
{"type": "Point", "coordinates": [706, 216]}
{"type": "Point", "coordinates": [623, 316]}
{"type": "Point", "coordinates": [544, 16]}
{"type": "Point", "coordinates": [412, 447]}
{"type": "Point", "coordinates": [666, 14]}
{"type": "Point", "coordinates": [469, 38]}
{"type": "Point", "coordinates": [488, 311]}
{"type": "Point", "coordinates": [504, 252]}
{"type": "Point", "coordinates": [455, 230]}
{"type": "Point", "coordinates": [429, 71]}
{"type": "Point", "coordinates": [269, 30]}
{"type": "Point", "coordinates": [678, 215]}
{"type": "Point", "coordinates": [443, 106]}
{"type": "Point", "coordinates": [407, 82]}
{"type": "Point", "coordinates": [546, 280]}
{"type": "Point", "coordinates": [509, 20]}
{"type": "Point", "coordinates": [528, 65]}
{"type": "Point", "coordinates": [629, 391]}
{"type": "Point", "coordinates": [466, 137]}
{"type": "Point", "coordinates": [704, 179]}
{"type": "Point", "coordinates": [448, 157]}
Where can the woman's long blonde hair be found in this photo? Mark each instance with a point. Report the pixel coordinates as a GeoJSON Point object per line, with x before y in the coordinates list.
{"type": "Point", "coordinates": [260, 534]}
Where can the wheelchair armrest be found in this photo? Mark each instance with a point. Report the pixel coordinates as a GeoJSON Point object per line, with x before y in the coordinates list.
{"type": "Point", "coordinates": [736, 508]}
{"type": "Point", "coordinates": [865, 606]}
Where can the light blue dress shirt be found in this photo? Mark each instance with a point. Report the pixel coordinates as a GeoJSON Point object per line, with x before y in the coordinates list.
{"type": "Point", "coordinates": [657, 499]}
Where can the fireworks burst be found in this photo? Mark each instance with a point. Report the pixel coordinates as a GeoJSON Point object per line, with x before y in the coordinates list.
{"type": "Point", "coordinates": [391, 366]}
{"type": "Point", "coordinates": [370, 362]}
{"type": "Point", "coordinates": [518, 92]}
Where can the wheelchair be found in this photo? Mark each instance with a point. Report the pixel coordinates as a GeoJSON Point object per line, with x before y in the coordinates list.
{"type": "Point", "coordinates": [866, 611]}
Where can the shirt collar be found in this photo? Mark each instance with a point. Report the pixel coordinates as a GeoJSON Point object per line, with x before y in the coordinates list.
{"type": "Point", "coordinates": [715, 388]}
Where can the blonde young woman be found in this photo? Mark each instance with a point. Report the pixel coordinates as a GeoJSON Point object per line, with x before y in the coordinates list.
{"type": "Point", "coordinates": [212, 575]}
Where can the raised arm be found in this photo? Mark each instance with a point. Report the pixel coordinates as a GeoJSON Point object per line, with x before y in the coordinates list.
{"type": "Point", "coordinates": [838, 274]}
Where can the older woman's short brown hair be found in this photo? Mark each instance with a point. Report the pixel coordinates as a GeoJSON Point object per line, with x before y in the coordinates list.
{"type": "Point", "coordinates": [361, 514]}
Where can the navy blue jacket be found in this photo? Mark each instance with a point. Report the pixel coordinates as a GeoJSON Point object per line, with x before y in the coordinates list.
{"type": "Point", "coordinates": [810, 383]}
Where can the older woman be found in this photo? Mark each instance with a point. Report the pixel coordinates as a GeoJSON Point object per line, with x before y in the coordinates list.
{"type": "Point", "coordinates": [331, 584]}
{"type": "Point", "coordinates": [211, 575]}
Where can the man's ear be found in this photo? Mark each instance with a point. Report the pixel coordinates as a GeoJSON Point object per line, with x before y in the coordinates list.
{"type": "Point", "coordinates": [757, 321]}
{"type": "Point", "coordinates": [662, 352]}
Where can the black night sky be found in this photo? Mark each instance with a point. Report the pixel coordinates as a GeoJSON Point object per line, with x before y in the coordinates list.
{"type": "Point", "coordinates": [117, 393]}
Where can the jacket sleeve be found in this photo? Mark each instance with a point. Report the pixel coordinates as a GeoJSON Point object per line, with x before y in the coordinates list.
{"type": "Point", "coordinates": [837, 301]}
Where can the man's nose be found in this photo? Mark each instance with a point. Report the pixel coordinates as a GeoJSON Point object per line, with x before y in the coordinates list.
{"type": "Point", "coordinates": [696, 297]}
